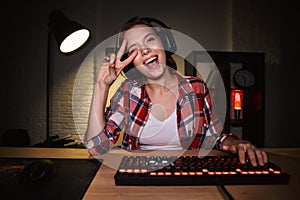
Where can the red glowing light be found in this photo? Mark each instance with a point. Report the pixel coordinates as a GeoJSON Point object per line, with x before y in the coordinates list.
{"type": "Point", "coordinates": [237, 99]}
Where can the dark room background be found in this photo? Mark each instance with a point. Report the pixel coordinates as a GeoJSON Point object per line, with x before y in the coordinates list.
{"type": "Point", "coordinates": [267, 26]}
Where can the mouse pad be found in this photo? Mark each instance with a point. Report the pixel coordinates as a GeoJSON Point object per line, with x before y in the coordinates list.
{"type": "Point", "coordinates": [70, 179]}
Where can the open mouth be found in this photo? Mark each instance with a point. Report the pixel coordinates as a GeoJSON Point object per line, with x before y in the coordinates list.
{"type": "Point", "coordinates": [151, 61]}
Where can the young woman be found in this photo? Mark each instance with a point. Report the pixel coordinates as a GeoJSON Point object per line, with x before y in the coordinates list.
{"type": "Point", "coordinates": [155, 106]}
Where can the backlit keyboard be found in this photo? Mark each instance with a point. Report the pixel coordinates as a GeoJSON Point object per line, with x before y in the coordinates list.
{"type": "Point", "coordinates": [192, 170]}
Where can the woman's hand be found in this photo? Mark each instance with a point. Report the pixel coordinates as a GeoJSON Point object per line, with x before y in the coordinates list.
{"type": "Point", "coordinates": [112, 66]}
{"type": "Point", "coordinates": [242, 148]}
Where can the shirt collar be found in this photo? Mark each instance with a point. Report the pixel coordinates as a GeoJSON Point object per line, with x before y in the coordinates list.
{"type": "Point", "coordinates": [184, 88]}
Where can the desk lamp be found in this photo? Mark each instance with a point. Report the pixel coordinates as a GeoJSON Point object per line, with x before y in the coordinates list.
{"type": "Point", "coordinates": [69, 36]}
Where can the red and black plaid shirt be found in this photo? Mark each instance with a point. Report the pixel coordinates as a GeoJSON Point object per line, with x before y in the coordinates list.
{"type": "Point", "coordinates": [129, 111]}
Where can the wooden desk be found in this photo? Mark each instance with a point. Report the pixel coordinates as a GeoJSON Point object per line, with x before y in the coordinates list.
{"type": "Point", "coordinates": [103, 185]}
{"type": "Point", "coordinates": [36, 152]}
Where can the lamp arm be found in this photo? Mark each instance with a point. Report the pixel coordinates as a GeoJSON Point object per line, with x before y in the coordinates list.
{"type": "Point", "coordinates": [49, 46]}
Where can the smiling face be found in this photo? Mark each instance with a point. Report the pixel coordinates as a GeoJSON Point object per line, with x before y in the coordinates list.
{"type": "Point", "coordinates": [151, 58]}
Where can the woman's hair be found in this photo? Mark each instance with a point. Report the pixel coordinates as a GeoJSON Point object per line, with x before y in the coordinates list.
{"type": "Point", "coordinates": [130, 69]}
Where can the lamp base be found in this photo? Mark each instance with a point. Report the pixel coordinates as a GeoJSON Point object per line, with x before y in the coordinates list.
{"type": "Point", "coordinates": [237, 114]}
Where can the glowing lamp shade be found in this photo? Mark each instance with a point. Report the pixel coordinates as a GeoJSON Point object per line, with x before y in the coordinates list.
{"type": "Point", "coordinates": [237, 103]}
{"type": "Point", "coordinates": [70, 35]}
{"type": "Point", "coordinates": [74, 41]}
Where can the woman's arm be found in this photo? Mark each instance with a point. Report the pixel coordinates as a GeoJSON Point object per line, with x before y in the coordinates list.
{"type": "Point", "coordinates": [96, 121]}
{"type": "Point", "coordinates": [110, 69]}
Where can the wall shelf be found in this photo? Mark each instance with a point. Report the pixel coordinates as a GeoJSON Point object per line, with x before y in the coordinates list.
{"type": "Point", "coordinates": [252, 116]}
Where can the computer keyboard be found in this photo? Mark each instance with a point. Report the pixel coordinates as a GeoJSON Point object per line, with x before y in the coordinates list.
{"type": "Point", "coordinates": [192, 170]}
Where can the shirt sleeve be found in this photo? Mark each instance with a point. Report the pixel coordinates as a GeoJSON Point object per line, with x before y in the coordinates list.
{"type": "Point", "coordinates": [215, 133]}
{"type": "Point", "coordinates": [222, 137]}
{"type": "Point", "coordinates": [115, 119]}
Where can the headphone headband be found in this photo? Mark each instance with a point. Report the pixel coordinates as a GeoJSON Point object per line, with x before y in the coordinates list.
{"type": "Point", "coordinates": [164, 33]}
{"type": "Point", "coordinates": [150, 20]}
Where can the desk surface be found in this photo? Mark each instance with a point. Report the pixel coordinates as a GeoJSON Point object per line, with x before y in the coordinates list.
{"type": "Point", "coordinates": [103, 185]}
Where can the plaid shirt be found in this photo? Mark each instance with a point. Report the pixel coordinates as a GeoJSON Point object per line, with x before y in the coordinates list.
{"type": "Point", "coordinates": [129, 111]}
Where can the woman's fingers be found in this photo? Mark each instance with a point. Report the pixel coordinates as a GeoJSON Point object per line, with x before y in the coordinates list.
{"type": "Point", "coordinates": [121, 50]}
{"type": "Point", "coordinates": [241, 152]}
{"type": "Point", "coordinates": [252, 156]}
{"type": "Point", "coordinates": [120, 65]}
{"type": "Point", "coordinates": [113, 65]}
{"type": "Point", "coordinates": [255, 155]}
{"type": "Point", "coordinates": [265, 157]}
{"type": "Point", "coordinates": [130, 58]}
{"type": "Point", "coordinates": [112, 59]}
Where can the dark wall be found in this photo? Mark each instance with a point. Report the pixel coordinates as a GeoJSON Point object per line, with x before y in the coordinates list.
{"type": "Point", "coordinates": [24, 48]}
{"type": "Point", "coordinates": [289, 77]}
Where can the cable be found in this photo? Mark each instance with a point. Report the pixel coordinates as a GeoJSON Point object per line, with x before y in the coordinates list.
{"type": "Point", "coordinates": [225, 192]}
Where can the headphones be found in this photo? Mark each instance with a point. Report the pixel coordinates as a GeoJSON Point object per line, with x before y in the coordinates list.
{"type": "Point", "coordinates": [163, 32]}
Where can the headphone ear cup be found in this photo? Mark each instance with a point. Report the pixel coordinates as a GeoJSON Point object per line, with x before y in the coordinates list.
{"type": "Point", "coordinates": [168, 40]}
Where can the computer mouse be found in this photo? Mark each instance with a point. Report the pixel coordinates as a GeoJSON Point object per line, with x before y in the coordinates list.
{"type": "Point", "coordinates": [38, 170]}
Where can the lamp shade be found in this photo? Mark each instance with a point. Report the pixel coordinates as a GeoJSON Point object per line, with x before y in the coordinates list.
{"type": "Point", "coordinates": [69, 34]}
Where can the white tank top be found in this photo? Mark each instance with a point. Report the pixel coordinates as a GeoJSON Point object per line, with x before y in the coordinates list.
{"type": "Point", "coordinates": [161, 135]}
